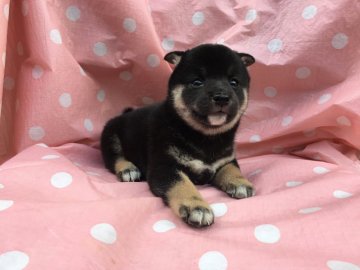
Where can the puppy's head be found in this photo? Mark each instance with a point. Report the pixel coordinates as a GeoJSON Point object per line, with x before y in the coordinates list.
{"type": "Point", "coordinates": [209, 87]}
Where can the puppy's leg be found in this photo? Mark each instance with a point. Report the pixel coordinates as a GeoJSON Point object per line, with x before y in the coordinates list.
{"type": "Point", "coordinates": [114, 159]}
{"type": "Point", "coordinates": [230, 180]}
{"type": "Point", "coordinates": [187, 203]}
{"type": "Point", "coordinates": [178, 192]}
{"type": "Point", "coordinates": [126, 171]}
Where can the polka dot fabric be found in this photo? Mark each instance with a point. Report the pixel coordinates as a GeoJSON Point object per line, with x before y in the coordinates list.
{"type": "Point", "coordinates": [68, 66]}
{"type": "Point", "coordinates": [58, 203]}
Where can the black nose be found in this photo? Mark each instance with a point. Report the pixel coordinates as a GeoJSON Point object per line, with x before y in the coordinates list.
{"type": "Point", "coordinates": [221, 99]}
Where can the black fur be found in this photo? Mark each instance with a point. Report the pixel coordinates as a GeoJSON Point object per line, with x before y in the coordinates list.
{"type": "Point", "coordinates": [212, 78]}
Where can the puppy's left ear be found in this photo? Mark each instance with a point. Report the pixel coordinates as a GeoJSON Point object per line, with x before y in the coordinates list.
{"type": "Point", "coordinates": [174, 57]}
{"type": "Point", "coordinates": [247, 59]}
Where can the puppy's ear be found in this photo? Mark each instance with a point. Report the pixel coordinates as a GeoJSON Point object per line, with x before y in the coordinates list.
{"type": "Point", "coordinates": [247, 59]}
{"type": "Point", "coordinates": [174, 57]}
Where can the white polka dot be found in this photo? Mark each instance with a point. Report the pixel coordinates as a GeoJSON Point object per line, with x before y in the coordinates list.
{"type": "Point", "coordinates": [48, 157]}
{"type": "Point", "coordinates": [340, 265]}
{"type": "Point", "coordinates": [3, 58]}
{"type": "Point", "coordinates": [343, 121]}
{"type": "Point", "coordinates": [339, 194]}
{"type": "Point", "coordinates": [93, 173]}
{"type": "Point", "coordinates": [82, 71]}
{"type": "Point", "coordinates": [163, 226]}
{"type": "Point", "coordinates": [42, 145]}
{"type": "Point", "coordinates": [125, 75]}
{"type": "Point", "coordinates": [309, 132]}
{"type": "Point", "coordinates": [293, 183]}
{"type": "Point", "coordinates": [5, 204]}
{"type": "Point", "coordinates": [219, 209]}
{"type": "Point", "coordinates": [255, 138]}
{"type": "Point", "coordinates": [277, 149]}
{"type": "Point", "coordinates": [65, 100]}
{"type": "Point", "coordinates": [309, 12]}
{"type": "Point", "coordinates": [267, 233]}
{"type": "Point", "coordinates": [101, 95]}
{"type": "Point", "coordinates": [129, 25]}
{"type": "Point", "coordinates": [55, 36]}
{"type": "Point", "coordinates": [36, 133]}
{"type": "Point", "coordinates": [153, 60]}
{"type": "Point", "coordinates": [168, 44]}
{"type": "Point", "coordinates": [9, 83]}
{"type": "Point", "coordinates": [2, 186]}
{"type": "Point", "coordinates": [339, 41]}
{"type": "Point", "coordinates": [73, 13]}
{"type": "Point", "coordinates": [324, 98]}
{"type": "Point", "coordinates": [104, 233]}
{"type": "Point", "coordinates": [213, 260]}
{"type": "Point", "coordinates": [250, 16]}
{"type": "Point", "coordinates": [198, 18]}
{"type": "Point", "coordinates": [88, 125]}
{"type": "Point", "coordinates": [286, 121]}
{"type": "Point", "coordinates": [275, 45]}
{"type": "Point", "coordinates": [37, 72]}
{"type": "Point", "coordinates": [14, 260]}
{"type": "Point", "coordinates": [309, 210]}
{"type": "Point", "coordinates": [270, 91]}
{"type": "Point", "coordinates": [220, 41]}
{"type": "Point", "coordinates": [147, 101]}
{"type": "Point", "coordinates": [20, 48]}
{"type": "Point", "coordinates": [24, 7]}
{"type": "Point", "coordinates": [61, 180]}
{"type": "Point", "coordinates": [303, 73]}
{"type": "Point", "coordinates": [6, 11]}
{"type": "Point", "coordinates": [256, 172]}
{"type": "Point", "coordinates": [100, 49]}
{"type": "Point", "coordinates": [320, 170]}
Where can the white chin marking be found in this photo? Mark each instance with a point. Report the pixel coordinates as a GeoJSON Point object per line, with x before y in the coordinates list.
{"type": "Point", "coordinates": [217, 119]}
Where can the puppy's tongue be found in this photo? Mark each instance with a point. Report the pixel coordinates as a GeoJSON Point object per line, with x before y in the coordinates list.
{"type": "Point", "coordinates": [217, 119]}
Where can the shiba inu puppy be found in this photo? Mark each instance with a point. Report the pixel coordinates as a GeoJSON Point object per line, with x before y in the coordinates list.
{"type": "Point", "coordinates": [188, 138]}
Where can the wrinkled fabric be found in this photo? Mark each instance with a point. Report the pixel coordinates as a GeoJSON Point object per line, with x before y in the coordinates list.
{"type": "Point", "coordinates": [67, 66]}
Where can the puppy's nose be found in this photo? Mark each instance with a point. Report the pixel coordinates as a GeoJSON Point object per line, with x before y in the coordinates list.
{"type": "Point", "coordinates": [221, 99]}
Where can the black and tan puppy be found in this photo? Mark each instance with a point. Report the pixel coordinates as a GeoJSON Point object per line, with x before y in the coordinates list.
{"type": "Point", "coordinates": [188, 138]}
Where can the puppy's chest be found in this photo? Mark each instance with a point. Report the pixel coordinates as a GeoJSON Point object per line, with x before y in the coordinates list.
{"type": "Point", "coordinates": [201, 164]}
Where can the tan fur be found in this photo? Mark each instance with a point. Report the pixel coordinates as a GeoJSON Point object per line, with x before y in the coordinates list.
{"type": "Point", "coordinates": [187, 203]}
{"type": "Point", "coordinates": [184, 193]}
{"type": "Point", "coordinates": [185, 113]}
{"type": "Point", "coordinates": [196, 165]}
{"type": "Point", "coordinates": [230, 176]}
{"type": "Point", "coordinates": [122, 164]}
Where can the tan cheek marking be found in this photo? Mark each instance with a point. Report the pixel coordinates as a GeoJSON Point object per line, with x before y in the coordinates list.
{"type": "Point", "coordinates": [230, 174]}
{"type": "Point", "coordinates": [185, 114]}
{"type": "Point", "coordinates": [184, 193]}
{"type": "Point", "coordinates": [122, 164]}
{"type": "Point", "coordinates": [245, 102]}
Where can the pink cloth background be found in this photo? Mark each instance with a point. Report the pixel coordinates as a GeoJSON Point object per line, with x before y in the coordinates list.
{"type": "Point", "coordinates": [68, 66]}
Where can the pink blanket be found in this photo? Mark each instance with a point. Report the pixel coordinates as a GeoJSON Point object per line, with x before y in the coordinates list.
{"type": "Point", "coordinates": [68, 66]}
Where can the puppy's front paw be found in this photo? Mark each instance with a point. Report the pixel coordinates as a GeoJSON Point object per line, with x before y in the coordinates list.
{"type": "Point", "coordinates": [129, 175]}
{"type": "Point", "coordinates": [127, 171]}
{"type": "Point", "coordinates": [197, 216]}
{"type": "Point", "coordinates": [239, 190]}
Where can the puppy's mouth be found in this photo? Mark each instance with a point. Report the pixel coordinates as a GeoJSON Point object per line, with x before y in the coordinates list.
{"type": "Point", "coordinates": [217, 119]}
{"type": "Point", "coordinates": [212, 119]}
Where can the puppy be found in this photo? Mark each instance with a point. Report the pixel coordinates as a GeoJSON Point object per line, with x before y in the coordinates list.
{"type": "Point", "coordinates": [188, 138]}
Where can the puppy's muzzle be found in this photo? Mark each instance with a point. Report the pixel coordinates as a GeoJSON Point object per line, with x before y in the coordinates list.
{"type": "Point", "coordinates": [221, 99]}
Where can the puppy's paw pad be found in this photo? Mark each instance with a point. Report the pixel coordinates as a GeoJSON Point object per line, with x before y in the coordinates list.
{"type": "Point", "coordinates": [129, 175]}
{"type": "Point", "coordinates": [240, 191]}
{"type": "Point", "coordinates": [198, 216]}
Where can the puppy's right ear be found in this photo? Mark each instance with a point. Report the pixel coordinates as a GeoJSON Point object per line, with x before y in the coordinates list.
{"type": "Point", "coordinates": [174, 57]}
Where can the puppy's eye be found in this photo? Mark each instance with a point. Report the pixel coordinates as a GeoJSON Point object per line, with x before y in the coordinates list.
{"type": "Point", "coordinates": [197, 83]}
{"type": "Point", "coordinates": [234, 82]}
